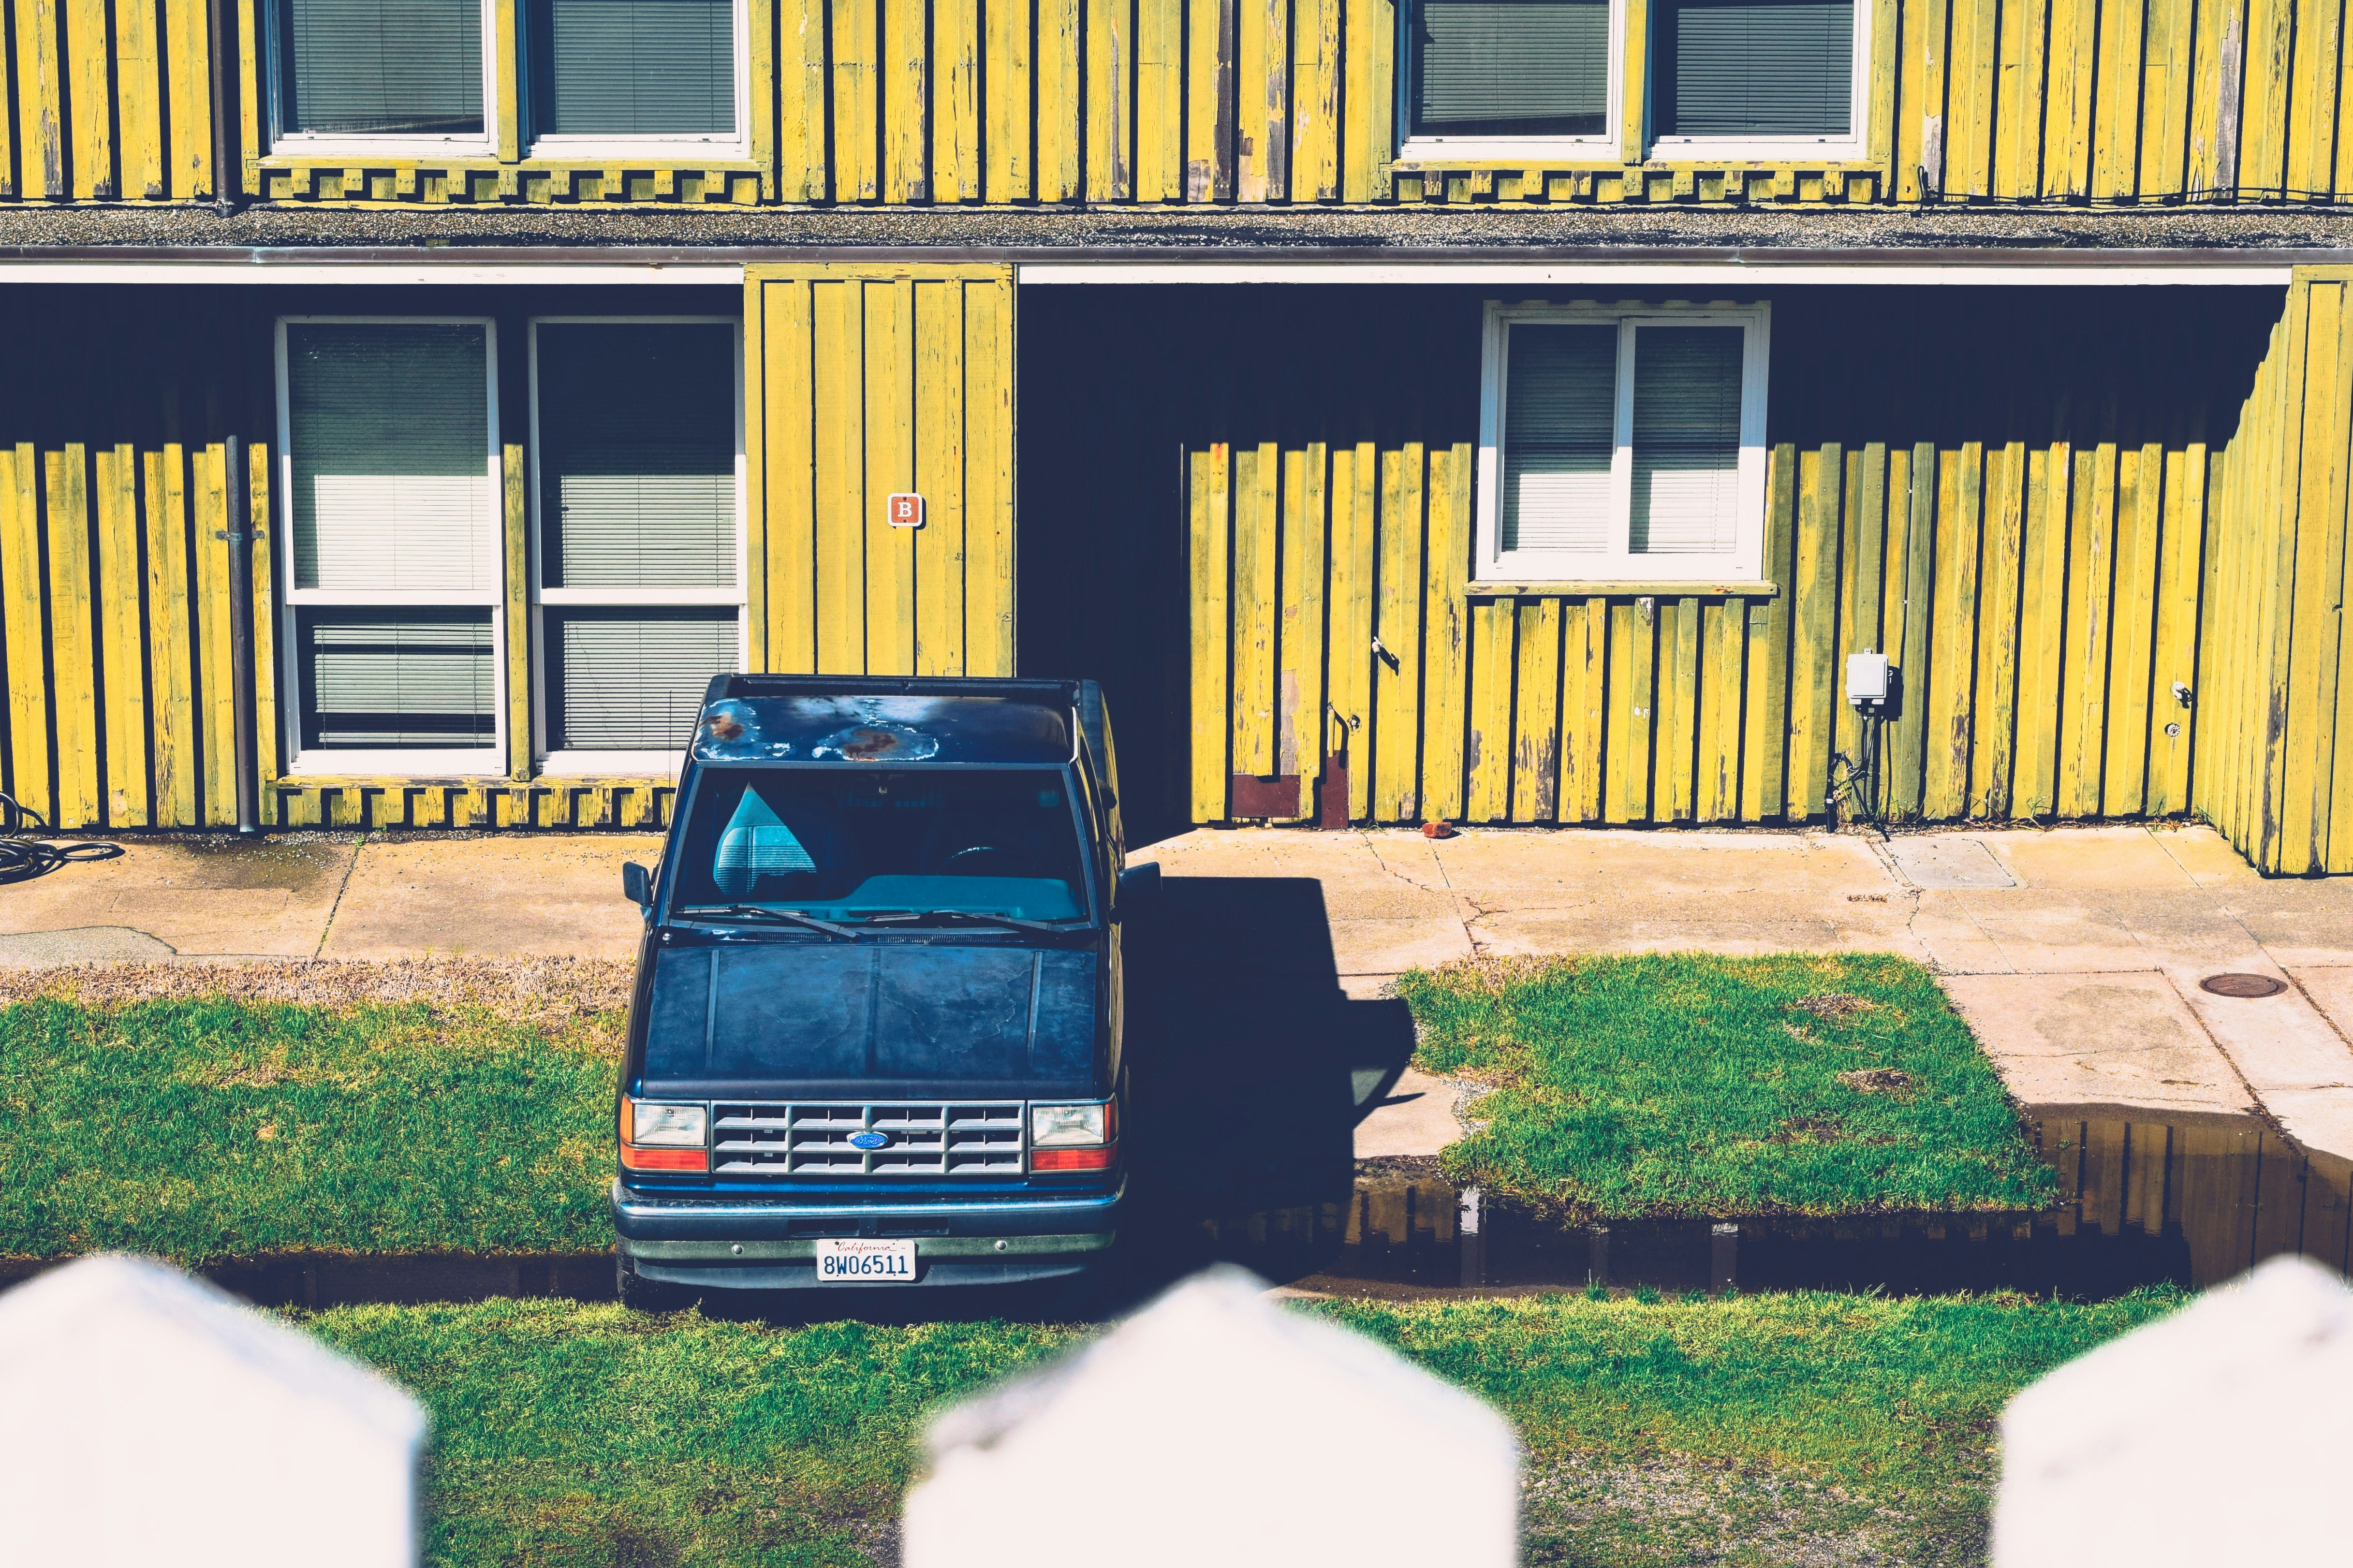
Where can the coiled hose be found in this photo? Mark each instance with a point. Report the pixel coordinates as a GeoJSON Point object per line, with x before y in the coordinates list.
{"type": "Point", "coordinates": [23, 855]}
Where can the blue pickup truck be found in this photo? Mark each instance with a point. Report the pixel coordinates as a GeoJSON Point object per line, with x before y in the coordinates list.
{"type": "Point", "coordinates": [875, 1042]}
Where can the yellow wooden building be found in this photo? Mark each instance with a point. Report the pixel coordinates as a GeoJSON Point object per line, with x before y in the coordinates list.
{"type": "Point", "coordinates": [1495, 410]}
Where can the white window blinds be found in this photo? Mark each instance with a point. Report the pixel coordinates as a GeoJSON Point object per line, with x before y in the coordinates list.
{"type": "Point", "coordinates": [388, 435]}
{"type": "Point", "coordinates": [378, 679]}
{"type": "Point", "coordinates": [632, 680]}
{"type": "Point", "coordinates": [1560, 401]}
{"type": "Point", "coordinates": [381, 68]}
{"type": "Point", "coordinates": [1686, 440]}
{"type": "Point", "coordinates": [637, 454]}
{"type": "Point", "coordinates": [634, 68]}
{"type": "Point", "coordinates": [1511, 67]}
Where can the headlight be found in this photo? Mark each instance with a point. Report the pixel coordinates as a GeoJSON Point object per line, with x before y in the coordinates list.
{"type": "Point", "coordinates": [667, 1126]}
{"type": "Point", "coordinates": [1063, 1126]}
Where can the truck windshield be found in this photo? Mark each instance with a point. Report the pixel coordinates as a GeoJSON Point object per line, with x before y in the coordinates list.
{"type": "Point", "coordinates": [850, 847]}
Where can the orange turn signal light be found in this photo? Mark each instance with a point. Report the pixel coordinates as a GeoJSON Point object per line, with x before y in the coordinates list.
{"type": "Point", "coordinates": [696, 1159]}
{"type": "Point", "coordinates": [1073, 1159]}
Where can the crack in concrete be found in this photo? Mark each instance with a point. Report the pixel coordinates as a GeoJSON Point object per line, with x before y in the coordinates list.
{"type": "Point", "coordinates": [359, 848]}
{"type": "Point", "coordinates": [1478, 948]}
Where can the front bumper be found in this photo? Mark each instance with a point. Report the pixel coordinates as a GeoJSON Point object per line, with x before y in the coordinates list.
{"type": "Point", "coordinates": [771, 1243]}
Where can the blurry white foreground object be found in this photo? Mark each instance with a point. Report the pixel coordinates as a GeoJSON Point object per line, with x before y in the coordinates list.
{"type": "Point", "coordinates": [2218, 1434]}
{"type": "Point", "coordinates": [146, 1417]}
{"type": "Point", "coordinates": [1216, 1426]}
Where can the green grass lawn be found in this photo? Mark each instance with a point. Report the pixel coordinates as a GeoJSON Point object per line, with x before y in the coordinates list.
{"type": "Point", "coordinates": [211, 1128]}
{"type": "Point", "coordinates": [1686, 1084]}
{"type": "Point", "coordinates": [1742, 1430]}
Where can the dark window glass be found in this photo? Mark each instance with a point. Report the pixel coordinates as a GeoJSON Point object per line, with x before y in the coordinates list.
{"type": "Point", "coordinates": [1511, 67]}
{"type": "Point", "coordinates": [381, 68]}
{"type": "Point", "coordinates": [633, 68]}
{"type": "Point", "coordinates": [844, 845]}
{"type": "Point", "coordinates": [1754, 68]}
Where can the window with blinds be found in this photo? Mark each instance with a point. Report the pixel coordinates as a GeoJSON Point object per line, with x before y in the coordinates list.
{"type": "Point", "coordinates": [1622, 444]}
{"type": "Point", "coordinates": [631, 680]}
{"type": "Point", "coordinates": [379, 67]}
{"type": "Point", "coordinates": [1755, 68]}
{"type": "Point", "coordinates": [1560, 411]}
{"type": "Point", "coordinates": [633, 68]}
{"type": "Point", "coordinates": [637, 454]}
{"type": "Point", "coordinates": [640, 585]}
{"type": "Point", "coordinates": [1686, 440]}
{"type": "Point", "coordinates": [397, 679]}
{"type": "Point", "coordinates": [389, 432]}
{"type": "Point", "coordinates": [1511, 67]}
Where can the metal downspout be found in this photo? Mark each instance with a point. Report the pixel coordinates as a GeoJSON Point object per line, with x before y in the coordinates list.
{"type": "Point", "coordinates": [229, 171]}
{"type": "Point", "coordinates": [240, 535]}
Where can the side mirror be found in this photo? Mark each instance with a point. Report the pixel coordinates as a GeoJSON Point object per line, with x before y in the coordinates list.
{"type": "Point", "coordinates": [636, 885]}
{"type": "Point", "coordinates": [1140, 885]}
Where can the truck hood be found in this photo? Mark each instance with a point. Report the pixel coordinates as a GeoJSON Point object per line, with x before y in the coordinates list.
{"type": "Point", "coordinates": [845, 1019]}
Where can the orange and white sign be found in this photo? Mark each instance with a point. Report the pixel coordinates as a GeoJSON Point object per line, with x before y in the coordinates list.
{"type": "Point", "coordinates": [904, 512]}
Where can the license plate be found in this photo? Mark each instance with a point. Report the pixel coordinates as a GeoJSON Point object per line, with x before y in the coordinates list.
{"type": "Point", "coordinates": [857, 1260]}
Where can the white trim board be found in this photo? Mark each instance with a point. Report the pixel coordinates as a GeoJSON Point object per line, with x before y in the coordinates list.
{"type": "Point", "coordinates": [371, 274]}
{"type": "Point", "coordinates": [1739, 274]}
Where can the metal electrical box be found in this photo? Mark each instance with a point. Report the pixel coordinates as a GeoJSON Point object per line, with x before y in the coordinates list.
{"type": "Point", "coordinates": [1866, 679]}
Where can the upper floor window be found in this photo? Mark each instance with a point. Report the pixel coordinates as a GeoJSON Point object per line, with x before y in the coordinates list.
{"type": "Point", "coordinates": [381, 68]}
{"type": "Point", "coordinates": [611, 69]}
{"type": "Point", "coordinates": [1758, 78]}
{"type": "Point", "coordinates": [1500, 74]}
{"type": "Point", "coordinates": [1622, 443]}
{"type": "Point", "coordinates": [593, 71]}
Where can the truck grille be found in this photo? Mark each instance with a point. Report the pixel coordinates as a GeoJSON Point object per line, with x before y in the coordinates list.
{"type": "Point", "coordinates": [927, 1139]}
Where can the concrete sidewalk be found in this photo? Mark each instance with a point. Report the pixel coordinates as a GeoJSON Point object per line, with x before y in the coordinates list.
{"type": "Point", "coordinates": [2074, 953]}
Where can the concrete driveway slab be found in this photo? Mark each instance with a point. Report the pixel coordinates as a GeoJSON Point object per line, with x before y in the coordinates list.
{"type": "Point", "coordinates": [1948, 860]}
{"type": "Point", "coordinates": [2331, 991]}
{"type": "Point", "coordinates": [199, 896]}
{"type": "Point", "coordinates": [492, 897]}
{"type": "Point", "coordinates": [2123, 1040]}
{"type": "Point", "coordinates": [1417, 1118]}
{"type": "Point", "coordinates": [2302, 924]}
{"type": "Point", "coordinates": [2103, 859]}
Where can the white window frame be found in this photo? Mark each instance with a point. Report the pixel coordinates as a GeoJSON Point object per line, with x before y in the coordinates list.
{"type": "Point", "coordinates": [1848, 148]}
{"type": "Point", "coordinates": [1742, 564]}
{"type": "Point", "coordinates": [460, 762]}
{"type": "Point", "coordinates": [580, 761]}
{"type": "Point", "coordinates": [1513, 150]}
{"type": "Point", "coordinates": [304, 144]}
{"type": "Point", "coordinates": [735, 143]}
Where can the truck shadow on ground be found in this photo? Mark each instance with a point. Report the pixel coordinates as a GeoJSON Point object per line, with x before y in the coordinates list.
{"type": "Point", "coordinates": [1248, 1069]}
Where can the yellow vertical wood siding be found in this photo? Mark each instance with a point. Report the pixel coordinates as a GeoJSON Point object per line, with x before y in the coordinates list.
{"type": "Point", "coordinates": [2274, 750]}
{"type": "Point", "coordinates": [1111, 101]}
{"type": "Point", "coordinates": [861, 383]}
{"type": "Point", "coordinates": [116, 653]}
{"type": "Point", "coordinates": [2034, 685]}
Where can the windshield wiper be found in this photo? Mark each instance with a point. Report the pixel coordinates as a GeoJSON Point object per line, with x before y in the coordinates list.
{"type": "Point", "coordinates": [761, 913]}
{"type": "Point", "coordinates": [920, 917]}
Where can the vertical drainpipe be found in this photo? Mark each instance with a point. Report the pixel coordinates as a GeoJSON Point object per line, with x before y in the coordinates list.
{"type": "Point", "coordinates": [228, 168]}
{"type": "Point", "coordinates": [240, 534]}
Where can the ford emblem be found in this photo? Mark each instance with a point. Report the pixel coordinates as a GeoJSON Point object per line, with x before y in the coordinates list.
{"type": "Point", "coordinates": [870, 1140]}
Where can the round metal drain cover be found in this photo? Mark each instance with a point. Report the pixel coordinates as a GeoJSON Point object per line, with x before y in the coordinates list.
{"type": "Point", "coordinates": [2242, 985]}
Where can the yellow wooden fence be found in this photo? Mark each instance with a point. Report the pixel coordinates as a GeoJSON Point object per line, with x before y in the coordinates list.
{"type": "Point", "coordinates": [115, 593]}
{"type": "Point", "coordinates": [2275, 756]}
{"type": "Point", "coordinates": [1176, 101]}
{"type": "Point", "coordinates": [2040, 603]}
